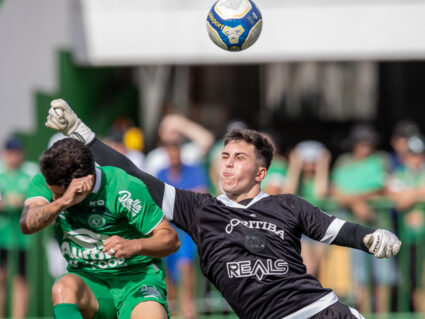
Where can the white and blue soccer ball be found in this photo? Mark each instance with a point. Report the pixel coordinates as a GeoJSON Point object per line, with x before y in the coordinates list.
{"type": "Point", "coordinates": [234, 25]}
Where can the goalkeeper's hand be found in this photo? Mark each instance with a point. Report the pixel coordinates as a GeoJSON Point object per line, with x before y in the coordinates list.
{"type": "Point", "coordinates": [63, 119]}
{"type": "Point", "coordinates": [382, 243]}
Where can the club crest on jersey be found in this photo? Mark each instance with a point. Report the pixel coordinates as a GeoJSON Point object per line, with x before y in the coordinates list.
{"type": "Point", "coordinates": [96, 221]}
{"type": "Point", "coordinates": [257, 268]}
{"type": "Point", "coordinates": [255, 224]}
{"type": "Point", "coordinates": [132, 205]}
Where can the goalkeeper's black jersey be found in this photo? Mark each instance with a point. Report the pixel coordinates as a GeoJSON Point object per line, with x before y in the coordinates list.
{"type": "Point", "coordinates": [251, 250]}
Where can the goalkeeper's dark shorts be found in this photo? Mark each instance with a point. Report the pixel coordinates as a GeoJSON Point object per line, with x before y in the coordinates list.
{"type": "Point", "coordinates": [338, 311]}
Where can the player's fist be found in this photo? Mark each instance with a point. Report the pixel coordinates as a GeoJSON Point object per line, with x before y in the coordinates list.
{"type": "Point", "coordinates": [382, 243]}
{"type": "Point", "coordinates": [61, 117]}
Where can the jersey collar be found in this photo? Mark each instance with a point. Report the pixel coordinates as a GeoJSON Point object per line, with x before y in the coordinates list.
{"type": "Point", "coordinates": [98, 181]}
{"type": "Point", "coordinates": [228, 202]}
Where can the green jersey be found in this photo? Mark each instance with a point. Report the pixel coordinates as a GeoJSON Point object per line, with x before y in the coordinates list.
{"type": "Point", "coordinates": [13, 190]}
{"type": "Point", "coordinates": [359, 176]}
{"type": "Point", "coordinates": [121, 205]}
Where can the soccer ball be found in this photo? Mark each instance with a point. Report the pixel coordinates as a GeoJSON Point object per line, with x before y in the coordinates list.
{"type": "Point", "coordinates": [234, 25]}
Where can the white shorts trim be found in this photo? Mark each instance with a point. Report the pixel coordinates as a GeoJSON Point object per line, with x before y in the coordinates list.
{"type": "Point", "coordinates": [356, 313]}
{"type": "Point", "coordinates": [315, 307]}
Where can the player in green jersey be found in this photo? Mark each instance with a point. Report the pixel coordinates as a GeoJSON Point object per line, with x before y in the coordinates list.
{"type": "Point", "coordinates": [110, 231]}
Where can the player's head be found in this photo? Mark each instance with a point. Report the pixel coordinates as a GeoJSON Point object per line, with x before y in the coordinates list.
{"type": "Point", "coordinates": [245, 160]}
{"type": "Point", "coordinates": [13, 152]}
{"type": "Point", "coordinates": [64, 160]}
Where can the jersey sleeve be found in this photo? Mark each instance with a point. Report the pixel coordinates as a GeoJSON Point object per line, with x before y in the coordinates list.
{"type": "Point", "coordinates": [183, 205]}
{"type": "Point", "coordinates": [107, 156]}
{"type": "Point", "coordinates": [38, 188]}
{"type": "Point", "coordinates": [136, 204]}
{"type": "Point", "coordinates": [313, 222]}
{"type": "Point", "coordinates": [179, 206]}
{"type": "Point", "coordinates": [328, 229]}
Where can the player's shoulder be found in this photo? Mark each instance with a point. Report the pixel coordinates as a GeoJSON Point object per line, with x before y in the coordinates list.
{"type": "Point", "coordinates": [290, 201]}
{"type": "Point", "coordinates": [115, 177]}
{"type": "Point", "coordinates": [38, 179]}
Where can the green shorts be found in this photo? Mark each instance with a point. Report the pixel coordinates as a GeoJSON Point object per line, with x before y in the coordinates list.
{"type": "Point", "coordinates": [118, 295]}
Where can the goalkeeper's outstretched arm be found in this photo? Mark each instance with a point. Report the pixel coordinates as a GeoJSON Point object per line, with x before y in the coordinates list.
{"type": "Point", "coordinates": [107, 156]}
{"type": "Point", "coordinates": [63, 119]}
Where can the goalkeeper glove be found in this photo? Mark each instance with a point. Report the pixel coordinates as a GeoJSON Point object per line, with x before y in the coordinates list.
{"type": "Point", "coordinates": [63, 119]}
{"type": "Point", "coordinates": [382, 243]}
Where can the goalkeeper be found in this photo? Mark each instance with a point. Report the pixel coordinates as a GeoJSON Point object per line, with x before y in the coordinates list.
{"type": "Point", "coordinates": [110, 231]}
{"type": "Point", "coordinates": [248, 241]}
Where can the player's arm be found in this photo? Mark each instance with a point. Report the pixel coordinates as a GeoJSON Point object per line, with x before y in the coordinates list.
{"type": "Point", "coordinates": [331, 230]}
{"type": "Point", "coordinates": [38, 212]}
{"type": "Point", "coordinates": [163, 242]}
{"type": "Point", "coordinates": [177, 205]}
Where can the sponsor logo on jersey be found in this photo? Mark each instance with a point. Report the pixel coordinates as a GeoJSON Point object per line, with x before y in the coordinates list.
{"type": "Point", "coordinates": [254, 224]}
{"type": "Point", "coordinates": [88, 250]}
{"type": "Point", "coordinates": [148, 292]}
{"type": "Point", "coordinates": [94, 257]}
{"type": "Point", "coordinates": [132, 205]}
{"type": "Point", "coordinates": [257, 268]}
{"type": "Point", "coordinates": [96, 221]}
{"type": "Point", "coordinates": [254, 241]}
{"type": "Point", "coordinates": [99, 202]}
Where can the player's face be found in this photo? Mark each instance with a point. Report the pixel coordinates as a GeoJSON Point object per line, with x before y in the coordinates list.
{"type": "Point", "coordinates": [57, 191]}
{"type": "Point", "coordinates": [239, 169]}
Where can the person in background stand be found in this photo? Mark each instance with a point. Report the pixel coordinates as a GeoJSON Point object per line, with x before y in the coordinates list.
{"type": "Point", "coordinates": [275, 180]}
{"type": "Point", "coordinates": [194, 139]}
{"type": "Point", "coordinates": [15, 176]}
{"type": "Point", "coordinates": [358, 177]}
{"type": "Point", "coordinates": [406, 187]}
{"type": "Point", "coordinates": [401, 133]}
{"type": "Point", "coordinates": [308, 177]}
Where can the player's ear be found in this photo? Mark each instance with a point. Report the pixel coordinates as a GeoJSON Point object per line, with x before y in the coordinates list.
{"type": "Point", "coordinates": [261, 173]}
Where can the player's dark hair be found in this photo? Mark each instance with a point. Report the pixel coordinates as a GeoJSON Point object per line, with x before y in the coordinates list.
{"type": "Point", "coordinates": [65, 160]}
{"type": "Point", "coordinates": [263, 148]}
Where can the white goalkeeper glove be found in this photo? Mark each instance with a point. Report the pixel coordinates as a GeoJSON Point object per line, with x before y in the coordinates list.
{"type": "Point", "coordinates": [63, 119]}
{"type": "Point", "coordinates": [382, 243]}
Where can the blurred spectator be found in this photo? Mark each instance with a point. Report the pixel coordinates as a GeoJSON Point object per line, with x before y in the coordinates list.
{"type": "Point", "coordinates": [133, 138]}
{"type": "Point", "coordinates": [275, 179]}
{"type": "Point", "coordinates": [15, 175]}
{"type": "Point", "coordinates": [357, 177]}
{"type": "Point", "coordinates": [214, 157]}
{"type": "Point", "coordinates": [308, 177]}
{"type": "Point", "coordinates": [180, 265]}
{"type": "Point", "coordinates": [195, 142]}
{"type": "Point", "coordinates": [308, 173]}
{"type": "Point", "coordinates": [401, 133]}
{"type": "Point", "coordinates": [406, 186]}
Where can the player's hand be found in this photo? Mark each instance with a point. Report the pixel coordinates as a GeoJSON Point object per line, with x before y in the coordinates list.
{"type": "Point", "coordinates": [382, 243]}
{"type": "Point", "coordinates": [117, 247]}
{"type": "Point", "coordinates": [77, 191]}
{"type": "Point", "coordinates": [63, 119]}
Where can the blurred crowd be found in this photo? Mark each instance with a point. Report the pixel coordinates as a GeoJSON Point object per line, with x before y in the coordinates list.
{"type": "Point", "coordinates": [382, 189]}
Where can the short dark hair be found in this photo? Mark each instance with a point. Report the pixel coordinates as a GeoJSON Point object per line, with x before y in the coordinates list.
{"type": "Point", "coordinates": [263, 148]}
{"type": "Point", "coordinates": [65, 160]}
